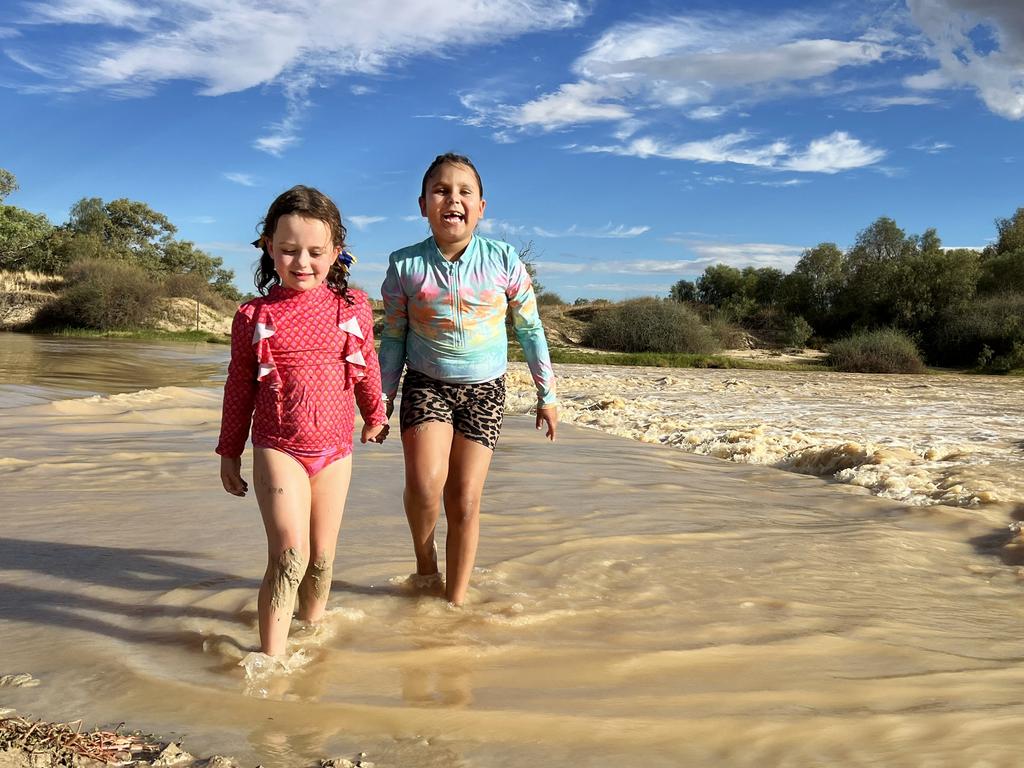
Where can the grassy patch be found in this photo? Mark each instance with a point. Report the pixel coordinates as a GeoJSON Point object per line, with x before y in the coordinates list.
{"type": "Point", "coordinates": [145, 334]}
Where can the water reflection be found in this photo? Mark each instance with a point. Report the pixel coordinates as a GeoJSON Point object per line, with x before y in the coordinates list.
{"type": "Point", "coordinates": [36, 368]}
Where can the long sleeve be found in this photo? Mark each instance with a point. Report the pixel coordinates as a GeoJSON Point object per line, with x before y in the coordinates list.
{"type": "Point", "coordinates": [396, 326]}
{"type": "Point", "coordinates": [368, 390]}
{"type": "Point", "coordinates": [529, 331]}
{"type": "Point", "coordinates": [239, 389]}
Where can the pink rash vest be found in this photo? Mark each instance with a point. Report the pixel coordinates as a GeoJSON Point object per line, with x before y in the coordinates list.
{"type": "Point", "coordinates": [297, 359]}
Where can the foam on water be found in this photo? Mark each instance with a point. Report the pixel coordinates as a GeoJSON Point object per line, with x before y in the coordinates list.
{"type": "Point", "coordinates": [948, 440]}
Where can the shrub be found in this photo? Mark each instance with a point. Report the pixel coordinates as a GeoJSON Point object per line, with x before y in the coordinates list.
{"type": "Point", "coordinates": [795, 331]}
{"type": "Point", "coordinates": [985, 333]}
{"type": "Point", "coordinates": [103, 295]}
{"type": "Point", "coordinates": [549, 299]}
{"type": "Point", "coordinates": [882, 351]}
{"type": "Point", "coordinates": [727, 333]}
{"type": "Point", "coordinates": [649, 325]}
{"type": "Point", "coordinates": [193, 286]}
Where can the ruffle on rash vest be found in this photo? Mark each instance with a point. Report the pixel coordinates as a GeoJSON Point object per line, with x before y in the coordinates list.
{"type": "Point", "coordinates": [351, 348]}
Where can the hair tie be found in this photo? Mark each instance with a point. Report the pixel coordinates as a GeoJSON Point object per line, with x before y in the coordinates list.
{"type": "Point", "coordinates": [346, 258]}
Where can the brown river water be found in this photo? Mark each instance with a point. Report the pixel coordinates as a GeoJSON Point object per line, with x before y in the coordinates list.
{"type": "Point", "coordinates": [708, 568]}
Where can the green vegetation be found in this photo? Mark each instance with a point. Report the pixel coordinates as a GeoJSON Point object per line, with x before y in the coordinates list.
{"type": "Point", "coordinates": [145, 334]}
{"type": "Point", "coordinates": [664, 360]}
{"type": "Point", "coordinates": [883, 351]}
{"type": "Point", "coordinates": [649, 325]}
{"type": "Point", "coordinates": [964, 306]}
{"type": "Point", "coordinates": [124, 231]}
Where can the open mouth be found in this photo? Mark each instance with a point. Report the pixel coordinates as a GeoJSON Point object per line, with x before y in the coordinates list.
{"type": "Point", "coordinates": [452, 216]}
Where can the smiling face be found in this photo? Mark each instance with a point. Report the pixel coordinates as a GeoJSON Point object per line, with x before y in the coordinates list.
{"type": "Point", "coordinates": [453, 205]}
{"type": "Point", "coordinates": [303, 251]}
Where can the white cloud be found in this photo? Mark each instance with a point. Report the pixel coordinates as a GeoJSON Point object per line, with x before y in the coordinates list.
{"type": "Point", "coordinates": [734, 254]}
{"type": "Point", "coordinates": [880, 103]}
{"type": "Point", "coordinates": [571, 104]}
{"type": "Point", "coordinates": [361, 90]}
{"type": "Point", "coordinates": [607, 231]}
{"type": "Point", "coordinates": [776, 255]}
{"type": "Point", "coordinates": [245, 179]}
{"type": "Point", "coordinates": [362, 222]}
{"type": "Point", "coordinates": [978, 44]}
{"type": "Point", "coordinates": [115, 13]}
{"type": "Point", "coordinates": [932, 147]}
{"type": "Point", "coordinates": [708, 113]}
{"type": "Point", "coordinates": [232, 45]}
{"type": "Point", "coordinates": [836, 152]}
{"type": "Point", "coordinates": [203, 220]}
{"type": "Point", "coordinates": [833, 153]}
{"type": "Point", "coordinates": [8, 32]}
{"type": "Point", "coordinates": [686, 60]}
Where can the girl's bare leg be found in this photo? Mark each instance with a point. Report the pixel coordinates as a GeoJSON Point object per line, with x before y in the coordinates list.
{"type": "Point", "coordinates": [467, 472]}
{"type": "Point", "coordinates": [426, 447]}
{"type": "Point", "coordinates": [329, 489]}
{"type": "Point", "coordinates": [283, 494]}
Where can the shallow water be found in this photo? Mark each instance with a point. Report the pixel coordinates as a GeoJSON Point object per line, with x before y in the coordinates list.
{"type": "Point", "coordinates": [635, 604]}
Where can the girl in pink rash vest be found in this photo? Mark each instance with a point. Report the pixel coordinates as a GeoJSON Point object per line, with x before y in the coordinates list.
{"type": "Point", "coordinates": [302, 357]}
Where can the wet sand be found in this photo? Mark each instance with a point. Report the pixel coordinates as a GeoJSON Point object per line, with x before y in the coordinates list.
{"type": "Point", "coordinates": [635, 604]}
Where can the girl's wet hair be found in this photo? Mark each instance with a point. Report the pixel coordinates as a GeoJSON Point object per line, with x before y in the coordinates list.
{"type": "Point", "coordinates": [450, 158]}
{"type": "Point", "coordinates": [309, 203]}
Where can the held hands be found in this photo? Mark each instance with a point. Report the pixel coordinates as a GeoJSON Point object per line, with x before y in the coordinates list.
{"type": "Point", "coordinates": [231, 475]}
{"type": "Point", "coordinates": [377, 434]}
{"type": "Point", "coordinates": [548, 414]}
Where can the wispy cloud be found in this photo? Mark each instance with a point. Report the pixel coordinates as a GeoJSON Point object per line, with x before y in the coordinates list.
{"type": "Point", "coordinates": [882, 103]}
{"type": "Point", "coordinates": [361, 90]}
{"type": "Point", "coordinates": [681, 64]}
{"type": "Point", "coordinates": [734, 254]}
{"type": "Point", "coordinates": [7, 32]}
{"type": "Point", "coordinates": [245, 179]}
{"type": "Point", "coordinates": [830, 154]}
{"type": "Point", "coordinates": [931, 147]}
{"type": "Point", "coordinates": [202, 220]}
{"type": "Point", "coordinates": [607, 231]}
{"type": "Point", "coordinates": [231, 45]}
{"type": "Point", "coordinates": [362, 222]}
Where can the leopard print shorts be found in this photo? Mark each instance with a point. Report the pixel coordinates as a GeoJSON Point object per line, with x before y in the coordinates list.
{"type": "Point", "coordinates": [474, 410]}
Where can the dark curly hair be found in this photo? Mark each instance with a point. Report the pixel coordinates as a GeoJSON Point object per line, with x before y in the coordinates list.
{"type": "Point", "coordinates": [309, 203]}
{"type": "Point", "coordinates": [450, 158]}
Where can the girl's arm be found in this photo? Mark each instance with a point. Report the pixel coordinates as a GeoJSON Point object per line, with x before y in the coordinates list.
{"type": "Point", "coordinates": [239, 389]}
{"type": "Point", "coordinates": [392, 338]}
{"type": "Point", "coordinates": [368, 389]}
{"type": "Point", "coordinates": [530, 332]}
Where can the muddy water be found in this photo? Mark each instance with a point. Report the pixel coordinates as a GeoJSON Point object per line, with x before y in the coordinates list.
{"type": "Point", "coordinates": [635, 604]}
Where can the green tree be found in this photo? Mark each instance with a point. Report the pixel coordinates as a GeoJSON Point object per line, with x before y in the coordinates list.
{"type": "Point", "coordinates": [873, 274]}
{"type": "Point", "coordinates": [813, 287]}
{"type": "Point", "coordinates": [24, 238]}
{"type": "Point", "coordinates": [8, 184]}
{"type": "Point", "coordinates": [719, 284]}
{"type": "Point", "coordinates": [683, 291]}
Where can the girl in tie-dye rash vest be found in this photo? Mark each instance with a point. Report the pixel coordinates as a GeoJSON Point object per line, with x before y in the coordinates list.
{"type": "Point", "coordinates": [446, 300]}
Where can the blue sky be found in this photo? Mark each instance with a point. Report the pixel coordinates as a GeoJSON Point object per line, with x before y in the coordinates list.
{"type": "Point", "coordinates": [633, 143]}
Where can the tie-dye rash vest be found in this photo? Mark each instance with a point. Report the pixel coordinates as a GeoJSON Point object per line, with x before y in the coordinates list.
{"type": "Point", "coordinates": [297, 359]}
{"type": "Point", "coordinates": [446, 319]}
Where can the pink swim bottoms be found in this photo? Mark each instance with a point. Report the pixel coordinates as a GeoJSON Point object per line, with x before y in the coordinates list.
{"type": "Point", "coordinates": [313, 460]}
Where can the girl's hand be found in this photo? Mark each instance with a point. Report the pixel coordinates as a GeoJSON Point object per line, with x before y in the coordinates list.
{"type": "Point", "coordinates": [377, 434]}
{"type": "Point", "coordinates": [548, 414]}
{"type": "Point", "coordinates": [231, 475]}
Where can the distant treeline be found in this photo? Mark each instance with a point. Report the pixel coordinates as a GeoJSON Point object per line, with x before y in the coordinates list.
{"type": "Point", "coordinates": [962, 307]}
{"type": "Point", "coordinates": [142, 242]}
